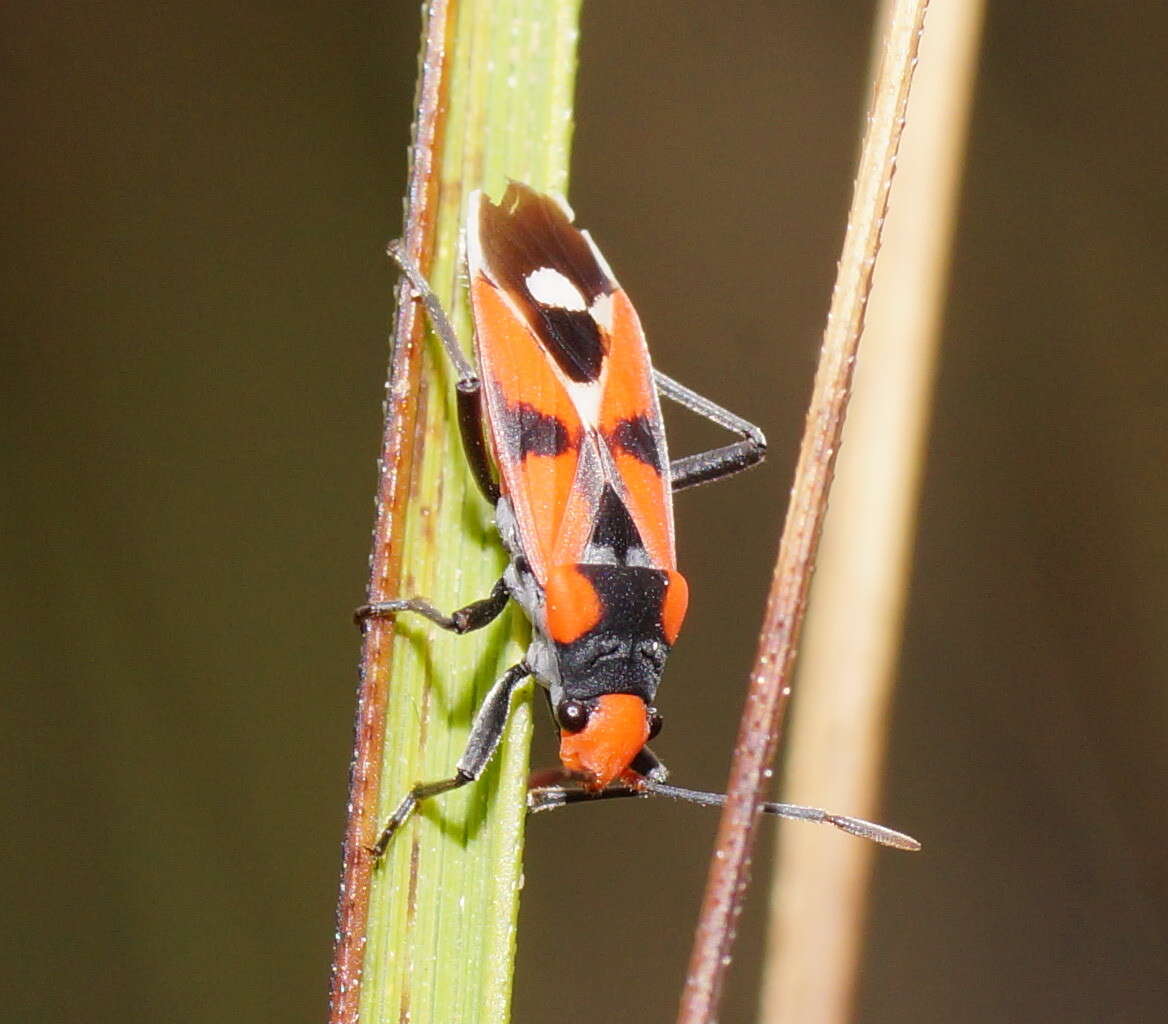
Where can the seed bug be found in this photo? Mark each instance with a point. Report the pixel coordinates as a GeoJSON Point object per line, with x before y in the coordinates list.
{"type": "Point", "coordinates": [562, 429]}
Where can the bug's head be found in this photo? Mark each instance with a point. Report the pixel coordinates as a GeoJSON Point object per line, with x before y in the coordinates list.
{"type": "Point", "coordinates": [612, 628]}
{"type": "Point", "coordinates": [600, 738]}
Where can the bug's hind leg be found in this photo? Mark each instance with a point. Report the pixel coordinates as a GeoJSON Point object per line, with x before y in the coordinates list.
{"type": "Point", "coordinates": [706, 467]}
{"type": "Point", "coordinates": [469, 388]}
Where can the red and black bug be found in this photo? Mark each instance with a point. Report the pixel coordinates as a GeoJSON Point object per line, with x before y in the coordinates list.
{"type": "Point", "coordinates": [562, 428]}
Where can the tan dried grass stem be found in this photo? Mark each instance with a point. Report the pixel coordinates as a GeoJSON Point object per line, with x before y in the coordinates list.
{"type": "Point", "coordinates": [769, 681]}
{"type": "Point", "coordinates": [835, 747]}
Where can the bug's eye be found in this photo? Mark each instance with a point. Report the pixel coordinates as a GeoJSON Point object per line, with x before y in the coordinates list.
{"type": "Point", "coordinates": [655, 722]}
{"type": "Point", "coordinates": [573, 715]}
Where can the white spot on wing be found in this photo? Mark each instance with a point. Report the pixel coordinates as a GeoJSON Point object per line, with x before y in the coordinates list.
{"type": "Point", "coordinates": [474, 249]}
{"type": "Point", "coordinates": [586, 399]}
{"type": "Point", "coordinates": [601, 311]}
{"type": "Point", "coordinates": [550, 288]}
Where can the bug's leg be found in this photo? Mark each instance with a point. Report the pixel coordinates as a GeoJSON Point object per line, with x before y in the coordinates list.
{"type": "Point", "coordinates": [469, 387]}
{"type": "Point", "coordinates": [466, 620]}
{"type": "Point", "coordinates": [648, 765]}
{"type": "Point", "coordinates": [490, 719]}
{"type": "Point", "coordinates": [474, 440]}
{"type": "Point", "coordinates": [548, 798]}
{"type": "Point", "coordinates": [548, 788]}
{"type": "Point", "coordinates": [720, 462]}
{"type": "Point", "coordinates": [438, 318]}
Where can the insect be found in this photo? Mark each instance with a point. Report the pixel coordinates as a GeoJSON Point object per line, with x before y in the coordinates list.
{"type": "Point", "coordinates": [565, 406]}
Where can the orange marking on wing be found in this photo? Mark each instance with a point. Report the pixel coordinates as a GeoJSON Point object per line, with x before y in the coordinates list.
{"type": "Point", "coordinates": [603, 750]}
{"type": "Point", "coordinates": [578, 519]}
{"type": "Point", "coordinates": [573, 606]}
{"type": "Point", "coordinates": [674, 606]}
{"type": "Point", "coordinates": [650, 507]}
{"type": "Point", "coordinates": [629, 392]}
{"type": "Point", "coordinates": [516, 370]}
{"type": "Point", "coordinates": [628, 387]}
{"type": "Point", "coordinates": [541, 492]}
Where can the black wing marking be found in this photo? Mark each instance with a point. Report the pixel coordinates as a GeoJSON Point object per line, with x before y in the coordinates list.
{"type": "Point", "coordinates": [615, 534]}
{"type": "Point", "coordinates": [528, 232]}
{"type": "Point", "coordinates": [636, 437]}
{"type": "Point", "coordinates": [538, 433]}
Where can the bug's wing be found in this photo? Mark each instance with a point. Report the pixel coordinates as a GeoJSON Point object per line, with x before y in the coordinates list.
{"type": "Point", "coordinates": [536, 429]}
{"type": "Point", "coordinates": [634, 434]}
{"type": "Point", "coordinates": [571, 405]}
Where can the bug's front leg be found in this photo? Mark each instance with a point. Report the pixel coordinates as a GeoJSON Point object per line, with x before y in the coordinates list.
{"type": "Point", "coordinates": [485, 734]}
{"type": "Point", "coordinates": [551, 788]}
{"type": "Point", "coordinates": [474, 616]}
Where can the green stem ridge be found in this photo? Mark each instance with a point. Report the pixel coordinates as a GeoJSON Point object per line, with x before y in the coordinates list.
{"type": "Point", "coordinates": [435, 940]}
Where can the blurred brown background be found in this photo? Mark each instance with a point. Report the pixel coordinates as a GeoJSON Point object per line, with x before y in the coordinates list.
{"type": "Point", "coordinates": [198, 202]}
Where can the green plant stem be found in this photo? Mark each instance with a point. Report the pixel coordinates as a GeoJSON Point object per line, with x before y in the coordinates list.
{"type": "Point", "coordinates": [428, 934]}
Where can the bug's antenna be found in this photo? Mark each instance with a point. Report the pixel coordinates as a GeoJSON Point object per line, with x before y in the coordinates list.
{"type": "Point", "coordinates": [853, 826]}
